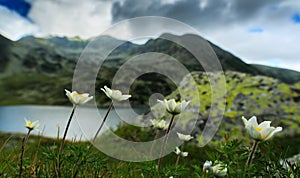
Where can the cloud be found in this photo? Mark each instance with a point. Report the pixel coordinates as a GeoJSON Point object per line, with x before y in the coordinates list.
{"type": "Point", "coordinates": [203, 14]}
{"type": "Point", "coordinates": [14, 26]}
{"type": "Point", "coordinates": [274, 46]}
{"type": "Point", "coordinates": [257, 31]}
{"type": "Point", "coordinates": [71, 18]}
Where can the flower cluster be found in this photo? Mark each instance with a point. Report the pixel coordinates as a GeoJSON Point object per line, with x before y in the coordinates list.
{"type": "Point", "coordinates": [259, 132]}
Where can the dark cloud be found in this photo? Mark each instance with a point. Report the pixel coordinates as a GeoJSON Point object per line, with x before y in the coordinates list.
{"type": "Point", "coordinates": [213, 13]}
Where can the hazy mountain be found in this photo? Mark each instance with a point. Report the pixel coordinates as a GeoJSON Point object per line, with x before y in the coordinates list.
{"type": "Point", "coordinates": [36, 70]}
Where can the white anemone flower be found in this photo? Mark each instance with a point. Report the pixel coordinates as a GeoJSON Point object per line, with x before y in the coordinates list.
{"type": "Point", "coordinates": [181, 153]}
{"type": "Point", "coordinates": [115, 95]}
{"type": "Point", "coordinates": [184, 137]}
{"type": "Point", "coordinates": [174, 107]}
{"type": "Point", "coordinates": [262, 131]}
{"type": "Point", "coordinates": [207, 165]}
{"type": "Point", "coordinates": [31, 125]}
{"type": "Point", "coordinates": [77, 98]}
{"type": "Point", "coordinates": [219, 169]}
{"type": "Point", "coordinates": [160, 124]}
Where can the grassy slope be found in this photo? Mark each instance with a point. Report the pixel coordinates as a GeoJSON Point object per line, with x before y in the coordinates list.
{"type": "Point", "coordinates": [267, 98]}
{"type": "Point", "coordinates": [289, 76]}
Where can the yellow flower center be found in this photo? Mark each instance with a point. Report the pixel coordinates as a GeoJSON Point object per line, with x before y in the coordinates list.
{"type": "Point", "coordinates": [257, 128]}
{"type": "Point", "coordinates": [29, 124]}
{"type": "Point", "coordinates": [76, 94]}
{"type": "Point", "coordinates": [178, 102]}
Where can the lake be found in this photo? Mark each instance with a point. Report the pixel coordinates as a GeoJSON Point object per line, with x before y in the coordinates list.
{"type": "Point", "coordinates": [85, 123]}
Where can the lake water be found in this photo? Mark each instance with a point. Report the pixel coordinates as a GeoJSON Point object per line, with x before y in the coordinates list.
{"type": "Point", "coordinates": [84, 125]}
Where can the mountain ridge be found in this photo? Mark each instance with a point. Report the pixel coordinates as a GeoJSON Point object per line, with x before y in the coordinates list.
{"type": "Point", "coordinates": [70, 49]}
{"type": "Point", "coordinates": [38, 68]}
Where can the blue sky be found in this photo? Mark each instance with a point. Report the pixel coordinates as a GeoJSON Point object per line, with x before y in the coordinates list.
{"type": "Point", "coordinates": [265, 32]}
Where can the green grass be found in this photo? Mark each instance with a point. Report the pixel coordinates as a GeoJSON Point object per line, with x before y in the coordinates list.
{"type": "Point", "coordinates": [41, 155]}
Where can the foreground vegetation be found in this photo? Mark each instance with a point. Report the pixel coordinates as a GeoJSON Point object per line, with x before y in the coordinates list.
{"type": "Point", "coordinates": [41, 156]}
{"type": "Point", "coordinates": [231, 155]}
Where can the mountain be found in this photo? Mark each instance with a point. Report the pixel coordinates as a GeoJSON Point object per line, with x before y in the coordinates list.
{"type": "Point", "coordinates": [37, 70]}
{"type": "Point", "coordinates": [4, 45]}
{"type": "Point", "coordinates": [285, 75]}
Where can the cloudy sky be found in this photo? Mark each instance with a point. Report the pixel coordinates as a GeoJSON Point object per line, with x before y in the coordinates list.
{"type": "Point", "coordinates": [258, 31]}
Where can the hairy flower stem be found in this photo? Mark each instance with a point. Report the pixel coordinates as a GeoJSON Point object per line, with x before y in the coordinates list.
{"type": "Point", "coordinates": [104, 119]}
{"type": "Point", "coordinates": [177, 160]}
{"type": "Point", "coordinates": [23, 151]}
{"type": "Point", "coordinates": [254, 147]}
{"type": "Point", "coordinates": [204, 173]}
{"type": "Point", "coordinates": [164, 142]}
{"type": "Point", "coordinates": [154, 142]}
{"type": "Point", "coordinates": [63, 140]}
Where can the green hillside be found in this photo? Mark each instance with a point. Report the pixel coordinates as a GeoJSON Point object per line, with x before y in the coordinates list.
{"type": "Point", "coordinates": [246, 95]}
{"type": "Point", "coordinates": [36, 70]}
{"type": "Point", "coordinates": [285, 75]}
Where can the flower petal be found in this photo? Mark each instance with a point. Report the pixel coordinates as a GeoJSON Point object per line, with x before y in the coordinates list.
{"type": "Point", "coordinates": [253, 121]}
{"type": "Point", "coordinates": [245, 121]}
{"type": "Point", "coordinates": [264, 124]}
{"type": "Point", "coordinates": [184, 154]}
{"type": "Point", "coordinates": [108, 90]}
{"type": "Point", "coordinates": [177, 151]}
{"type": "Point", "coordinates": [275, 131]}
{"type": "Point", "coordinates": [125, 97]}
{"type": "Point", "coordinates": [254, 133]}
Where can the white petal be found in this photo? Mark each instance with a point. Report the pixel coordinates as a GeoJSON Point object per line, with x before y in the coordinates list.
{"type": "Point", "coordinates": [85, 95]}
{"type": "Point", "coordinates": [184, 154]}
{"type": "Point", "coordinates": [278, 129]}
{"type": "Point", "coordinates": [106, 93]}
{"type": "Point", "coordinates": [264, 124]}
{"type": "Point", "coordinates": [67, 91]}
{"type": "Point", "coordinates": [108, 90]}
{"type": "Point", "coordinates": [266, 132]}
{"type": "Point", "coordinates": [253, 121]}
{"type": "Point", "coordinates": [254, 133]}
{"type": "Point", "coordinates": [125, 97]}
{"type": "Point", "coordinates": [35, 124]}
{"type": "Point", "coordinates": [245, 121]}
{"type": "Point", "coordinates": [171, 105]}
{"type": "Point", "coordinates": [116, 95]}
{"type": "Point", "coordinates": [26, 120]}
{"type": "Point", "coordinates": [177, 150]}
{"type": "Point", "coordinates": [85, 99]}
{"type": "Point", "coordinates": [207, 165]}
